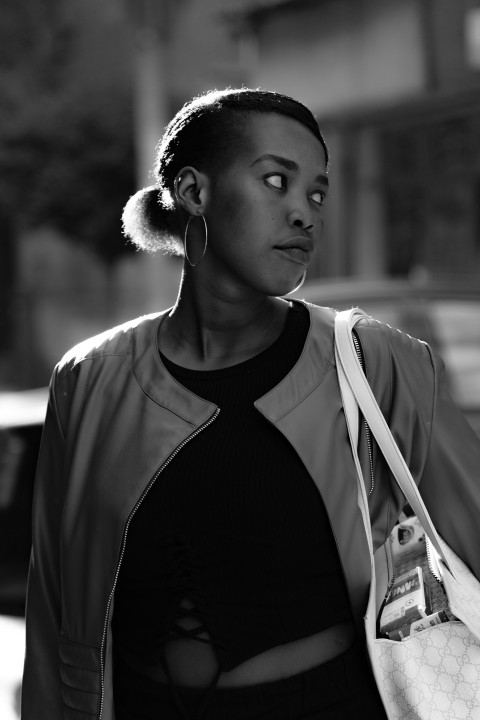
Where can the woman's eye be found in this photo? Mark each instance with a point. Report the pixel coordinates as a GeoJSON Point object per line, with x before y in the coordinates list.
{"type": "Point", "coordinates": [277, 181]}
{"type": "Point", "coordinates": [318, 197]}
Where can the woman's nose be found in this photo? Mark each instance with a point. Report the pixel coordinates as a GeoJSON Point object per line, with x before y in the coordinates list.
{"type": "Point", "coordinates": [301, 219]}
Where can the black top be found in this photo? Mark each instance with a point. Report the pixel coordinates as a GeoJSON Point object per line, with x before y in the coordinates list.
{"type": "Point", "coordinates": [235, 524]}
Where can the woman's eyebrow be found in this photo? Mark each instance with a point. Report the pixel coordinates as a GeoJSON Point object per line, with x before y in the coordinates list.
{"type": "Point", "coordinates": [288, 164]}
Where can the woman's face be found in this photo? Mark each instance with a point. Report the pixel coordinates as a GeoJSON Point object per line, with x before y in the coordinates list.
{"type": "Point", "coordinates": [264, 211]}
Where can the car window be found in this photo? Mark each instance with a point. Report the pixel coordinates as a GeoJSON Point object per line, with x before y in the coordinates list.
{"type": "Point", "coordinates": [457, 325]}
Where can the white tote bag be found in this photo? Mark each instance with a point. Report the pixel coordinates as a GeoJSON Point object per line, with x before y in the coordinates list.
{"type": "Point", "coordinates": [434, 674]}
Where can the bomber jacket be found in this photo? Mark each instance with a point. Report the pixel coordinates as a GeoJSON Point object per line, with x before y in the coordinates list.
{"type": "Point", "coordinates": [116, 418]}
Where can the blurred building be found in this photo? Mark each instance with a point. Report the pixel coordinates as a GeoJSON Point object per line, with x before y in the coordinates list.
{"type": "Point", "coordinates": [396, 88]}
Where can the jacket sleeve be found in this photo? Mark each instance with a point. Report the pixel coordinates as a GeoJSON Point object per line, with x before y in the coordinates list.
{"type": "Point", "coordinates": [41, 689]}
{"type": "Point", "coordinates": [450, 482]}
{"type": "Point", "coordinates": [438, 444]}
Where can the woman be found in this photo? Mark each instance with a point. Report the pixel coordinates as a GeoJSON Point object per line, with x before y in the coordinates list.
{"type": "Point", "coordinates": [198, 550]}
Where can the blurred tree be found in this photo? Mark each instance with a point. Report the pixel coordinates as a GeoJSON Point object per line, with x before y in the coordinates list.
{"type": "Point", "coordinates": [66, 151]}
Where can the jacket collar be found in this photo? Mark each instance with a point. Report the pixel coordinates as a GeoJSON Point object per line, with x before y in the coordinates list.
{"type": "Point", "coordinates": [156, 381]}
{"type": "Point", "coordinates": [309, 370]}
{"type": "Point", "coordinates": [162, 388]}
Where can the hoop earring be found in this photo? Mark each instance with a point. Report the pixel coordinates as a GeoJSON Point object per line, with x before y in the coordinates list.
{"type": "Point", "coordinates": [299, 284]}
{"type": "Point", "coordinates": [185, 242]}
{"type": "Point", "coordinates": [175, 189]}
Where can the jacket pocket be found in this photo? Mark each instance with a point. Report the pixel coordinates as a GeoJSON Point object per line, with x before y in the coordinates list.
{"type": "Point", "coordinates": [80, 672]}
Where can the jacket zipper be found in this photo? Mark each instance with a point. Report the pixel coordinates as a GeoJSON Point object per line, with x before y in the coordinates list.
{"type": "Point", "coordinates": [124, 541]}
{"type": "Point", "coordinates": [391, 575]}
{"type": "Point", "coordinates": [368, 434]}
{"type": "Point", "coordinates": [432, 560]}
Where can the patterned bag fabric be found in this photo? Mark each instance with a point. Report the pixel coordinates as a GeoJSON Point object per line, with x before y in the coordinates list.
{"type": "Point", "coordinates": [433, 674]}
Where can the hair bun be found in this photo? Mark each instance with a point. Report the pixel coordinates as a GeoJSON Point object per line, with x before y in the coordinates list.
{"type": "Point", "coordinates": [145, 220]}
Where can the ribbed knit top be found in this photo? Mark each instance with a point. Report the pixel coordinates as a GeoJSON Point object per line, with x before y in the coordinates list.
{"type": "Point", "coordinates": [235, 524]}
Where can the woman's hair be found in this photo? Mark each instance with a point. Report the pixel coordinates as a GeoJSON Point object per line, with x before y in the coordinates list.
{"type": "Point", "coordinates": [206, 134]}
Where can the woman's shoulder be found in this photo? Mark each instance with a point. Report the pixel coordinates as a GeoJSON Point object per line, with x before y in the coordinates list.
{"type": "Point", "coordinates": [400, 368]}
{"type": "Point", "coordinates": [379, 337]}
{"type": "Point", "coordinates": [116, 341]}
{"type": "Point", "coordinates": [375, 335]}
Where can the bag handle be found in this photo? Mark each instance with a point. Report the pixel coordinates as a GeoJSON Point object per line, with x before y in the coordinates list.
{"type": "Point", "coordinates": [355, 389]}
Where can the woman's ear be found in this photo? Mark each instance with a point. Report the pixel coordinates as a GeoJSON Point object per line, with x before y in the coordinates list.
{"type": "Point", "coordinates": [191, 190]}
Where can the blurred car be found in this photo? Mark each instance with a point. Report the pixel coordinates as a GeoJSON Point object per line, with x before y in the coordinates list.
{"type": "Point", "coordinates": [444, 314]}
{"type": "Point", "coordinates": [21, 421]}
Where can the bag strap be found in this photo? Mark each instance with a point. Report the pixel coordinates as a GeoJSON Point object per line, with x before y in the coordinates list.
{"type": "Point", "coordinates": [356, 390]}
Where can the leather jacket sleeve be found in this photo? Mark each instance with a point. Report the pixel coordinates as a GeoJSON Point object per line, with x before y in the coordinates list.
{"type": "Point", "coordinates": [41, 689]}
{"type": "Point", "coordinates": [450, 483]}
{"type": "Point", "coordinates": [437, 442]}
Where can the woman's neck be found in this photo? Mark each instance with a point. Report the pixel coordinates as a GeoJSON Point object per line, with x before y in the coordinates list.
{"type": "Point", "coordinates": [203, 332]}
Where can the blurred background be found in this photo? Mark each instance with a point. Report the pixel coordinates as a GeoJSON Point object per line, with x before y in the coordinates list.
{"type": "Point", "coordinates": [86, 88]}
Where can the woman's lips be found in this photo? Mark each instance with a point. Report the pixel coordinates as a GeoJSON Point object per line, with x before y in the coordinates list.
{"type": "Point", "coordinates": [298, 249]}
{"type": "Point", "coordinates": [296, 254]}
